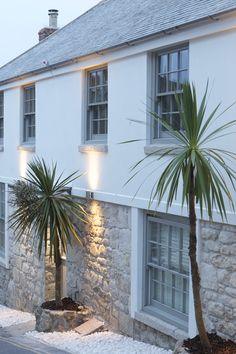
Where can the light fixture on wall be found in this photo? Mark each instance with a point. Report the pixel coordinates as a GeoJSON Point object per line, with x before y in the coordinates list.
{"type": "Point", "coordinates": [89, 195]}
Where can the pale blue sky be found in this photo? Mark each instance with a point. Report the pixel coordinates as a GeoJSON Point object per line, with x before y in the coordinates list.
{"type": "Point", "coordinates": [20, 21]}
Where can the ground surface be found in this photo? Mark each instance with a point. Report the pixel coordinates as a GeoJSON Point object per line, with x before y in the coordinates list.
{"type": "Point", "coordinates": [9, 317]}
{"type": "Point", "coordinates": [7, 346]}
{"type": "Point", "coordinates": [17, 337]}
{"type": "Point", "coordinates": [219, 345]}
{"type": "Point", "coordinates": [104, 343]}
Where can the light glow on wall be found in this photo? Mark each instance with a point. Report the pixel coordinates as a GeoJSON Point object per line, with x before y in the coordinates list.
{"type": "Point", "coordinates": [93, 170]}
{"type": "Point", "coordinates": [23, 161]}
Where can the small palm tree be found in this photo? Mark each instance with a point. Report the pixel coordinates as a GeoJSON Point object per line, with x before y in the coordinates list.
{"type": "Point", "coordinates": [199, 169]}
{"type": "Point", "coordinates": [44, 210]}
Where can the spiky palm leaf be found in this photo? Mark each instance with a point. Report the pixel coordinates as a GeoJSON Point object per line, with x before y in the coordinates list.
{"type": "Point", "coordinates": [205, 173]}
{"type": "Point", "coordinates": [44, 209]}
{"type": "Point", "coordinates": [192, 149]}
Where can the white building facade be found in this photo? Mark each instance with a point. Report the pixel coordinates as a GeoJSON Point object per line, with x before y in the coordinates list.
{"type": "Point", "coordinates": [133, 269]}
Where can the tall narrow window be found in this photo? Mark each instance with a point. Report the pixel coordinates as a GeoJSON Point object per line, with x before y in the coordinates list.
{"type": "Point", "coordinates": [1, 117]}
{"type": "Point", "coordinates": [167, 271]}
{"type": "Point", "coordinates": [29, 114]}
{"type": "Point", "coordinates": [172, 70]}
{"type": "Point", "coordinates": [2, 220]}
{"type": "Point", "coordinates": [97, 105]}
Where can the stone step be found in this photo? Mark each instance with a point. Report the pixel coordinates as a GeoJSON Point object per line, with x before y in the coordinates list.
{"type": "Point", "coordinates": [89, 327]}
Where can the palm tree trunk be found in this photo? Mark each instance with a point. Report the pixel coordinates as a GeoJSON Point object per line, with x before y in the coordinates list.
{"type": "Point", "coordinates": [196, 280]}
{"type": "Point", "coordinates": [58, 262]}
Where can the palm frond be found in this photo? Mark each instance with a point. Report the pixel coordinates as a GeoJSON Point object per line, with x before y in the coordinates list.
{"type": "Point", "coordinates": [214, 176]}
{"type": "Point", "coordinates": [43, 208]}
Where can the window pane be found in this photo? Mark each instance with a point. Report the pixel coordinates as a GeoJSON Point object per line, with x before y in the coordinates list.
{"type": "Point", "coordinates": [95, 127]}
{"type": "Point", "coordinates": [103, 111]}
{"type": "Point", "coordinates": [173, 82]}
{"type": "Point", "coordinates": [163, 260]}
{"type": "Point", "coordinates": [176, 122]}
{"type": "Point", "coordinates": [92, 79]}
{"type": "Point", "coordinates": [99, 94]}
{"type": "Point", "coordinates": [1, 128]}
{"type": "Point", "coordinates": [105, 77]}
{"type": "Point", "coordinates": [165, 102]}
{"type": "Point", "coordinates": [173, 61]}
{"type": "Point", "coordinates": [92, 95]}
{"type": "Point", "coordinates": [156, 279]}
{"type": "Point", "coordinates": [164, 232]}
{"type": "Point", "coordinates": [173, 104]}
{"type": "Point", "coordinates": [183, 77]}
{"type": "Point", "coordinates": [1, 98]}
{"type": "Point", "coordinates": [184, 60]}
{"type": "Point", "coordinates": [94, 113]}
{"type": "Point", "coordinates": [154, 254]}
{"type": "Point", "coordinates": [167, 119]}
{"type": "Point", "coordinates": [163, 63]}
{"type": "Point", "coordinates": [167, 289]}
{"type": "Point", "coordinates": [153, 231]}
{"type": "Point", "coordinates": [105, 96]}
{"type": "Point", "coordinates": [99, 77]}
{"type": "Point", "coordinates": [162, 83]}
{"type": "Point", "coordinates": [102, 127]}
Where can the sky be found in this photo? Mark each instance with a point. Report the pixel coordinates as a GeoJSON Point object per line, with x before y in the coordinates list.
{"type": "Point", "coordinates": [20, 21]}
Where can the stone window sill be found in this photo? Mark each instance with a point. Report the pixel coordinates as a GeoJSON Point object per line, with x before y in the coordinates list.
{"type": "Point", "coordinates": [93, 148]}
{"type": "Point", "coordinates": [160, 325]}
{"type": "Point", "coordinates": [30, 148]}
{"type": "Point", "coordinates": [159, 149]}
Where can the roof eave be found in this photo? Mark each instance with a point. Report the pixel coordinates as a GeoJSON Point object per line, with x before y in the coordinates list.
{"type": "Point", "coordinates": [115, 47]}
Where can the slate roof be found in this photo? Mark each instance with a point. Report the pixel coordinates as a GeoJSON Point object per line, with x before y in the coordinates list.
{"type": "Point", "coordinates": [109, 24]}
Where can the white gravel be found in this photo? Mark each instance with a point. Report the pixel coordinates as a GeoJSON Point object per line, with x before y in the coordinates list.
{"type": "Point", "coordinates": [104, 343]}
{"type": "Point", "coordinates": [9, 317]}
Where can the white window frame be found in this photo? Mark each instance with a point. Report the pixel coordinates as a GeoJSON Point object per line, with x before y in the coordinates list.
{"type": "Point", "coordinates": [4, 260]}
{"type": "Point", "coordinates": [138, 268]}
{"type": "Point", "coordinates": [91, 138]}
{"type": "Point", "coordinates": [2, 119]}
{"type": "Point", "coordinates": [26, 139]}
{"type": "Point", "coordinates": [154, 307]}
{"type": "Point", "coordinates": [155, 126]}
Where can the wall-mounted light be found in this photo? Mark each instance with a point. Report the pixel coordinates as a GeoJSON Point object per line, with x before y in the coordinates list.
{"type": "Point", "coordinates": [89, 195]}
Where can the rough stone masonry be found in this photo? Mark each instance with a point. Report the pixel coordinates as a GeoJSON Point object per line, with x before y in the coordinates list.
{"type": "Point", "coordinates": [218, 269]}
{"type": "Point", "coordinates": [99, 274]}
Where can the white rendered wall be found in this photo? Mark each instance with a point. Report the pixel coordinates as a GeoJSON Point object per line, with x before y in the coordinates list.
{"type": "Point", "coordinates": [60, 112]}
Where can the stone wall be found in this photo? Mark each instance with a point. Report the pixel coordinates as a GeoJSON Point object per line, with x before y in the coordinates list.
{"type": "Point", "coordinates": [218, 271]}
{"type": "Point", "coordinates": [99, 273]}
{"type": "Point", "coordinates": [22, 285]}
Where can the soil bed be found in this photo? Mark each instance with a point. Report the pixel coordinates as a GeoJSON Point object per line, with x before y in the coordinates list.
{"type": "Point", "coordinates": [219, 345]}
{"type": "Point", "coordinates": [67, 305]}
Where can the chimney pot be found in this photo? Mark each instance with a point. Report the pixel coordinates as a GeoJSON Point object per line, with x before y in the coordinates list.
{"type": "Point", "coordinates": [47, 31]}
{"type": "Point", "coordinates": [52, 13]}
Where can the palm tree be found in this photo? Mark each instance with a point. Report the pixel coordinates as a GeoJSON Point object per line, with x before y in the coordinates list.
{"type": "Point", "coordinates": [199, 169]}
{"type": "Point", "coordinates": [45, 210]}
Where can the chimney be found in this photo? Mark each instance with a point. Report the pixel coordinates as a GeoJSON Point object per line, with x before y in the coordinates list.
{"type": "Point", "coordinates": [53, 18]}
{"type": "Point", "coordinates": [46, 31]}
